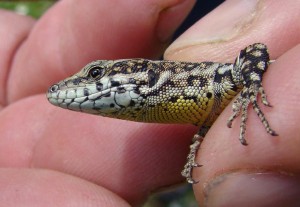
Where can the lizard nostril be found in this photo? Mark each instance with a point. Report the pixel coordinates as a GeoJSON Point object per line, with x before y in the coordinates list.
{"type": "Point", "coordinates": [53, 88]}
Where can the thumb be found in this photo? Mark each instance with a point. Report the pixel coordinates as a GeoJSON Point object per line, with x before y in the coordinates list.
{"type": "Point", "coordinates": [219, 37]}
{"type": "Point", "coordinates": [236, 24]}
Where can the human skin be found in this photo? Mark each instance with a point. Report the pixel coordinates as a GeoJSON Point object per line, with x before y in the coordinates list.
{"type": "Point", "coordinates": [54, 157]}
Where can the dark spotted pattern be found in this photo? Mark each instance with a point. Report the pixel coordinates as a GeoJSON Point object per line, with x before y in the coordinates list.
{"type": "Point", "coordinates": [169, 92]}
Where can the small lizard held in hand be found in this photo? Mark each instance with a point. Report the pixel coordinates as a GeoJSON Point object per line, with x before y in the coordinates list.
{"type": "Point", "coordinates": [169, 92]}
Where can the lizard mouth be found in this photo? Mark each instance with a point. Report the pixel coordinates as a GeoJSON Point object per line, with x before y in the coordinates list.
{"type": "Point", "coordinates": [105, 102]}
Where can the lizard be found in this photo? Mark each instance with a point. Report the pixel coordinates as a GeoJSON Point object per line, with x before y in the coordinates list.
{"type": "Point", "coordinates": [166, 91]}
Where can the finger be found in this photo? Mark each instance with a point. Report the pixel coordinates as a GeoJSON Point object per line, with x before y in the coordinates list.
{"type": "Point", "coordinates": [234, 25]}
{"type": "Point", "coordinates": [112, 153]}
{"type": "Point", "coordinates": [242, 166]}
{"type": "Point", "coordinates": [11, 38]}
{"type": "Point", "coordinates": [71, 35]}
{"type": "Point", "coordinates": [36, 187]}
{"type": "Point", "coordinates": [221, 152]}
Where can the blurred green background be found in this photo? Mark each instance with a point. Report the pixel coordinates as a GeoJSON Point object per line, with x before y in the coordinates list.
{"type": "Point", "coordinates": [31, 8]}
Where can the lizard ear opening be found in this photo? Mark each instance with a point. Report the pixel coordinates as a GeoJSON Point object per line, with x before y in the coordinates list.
{"type": "Point", "coordinates": [152, 78]}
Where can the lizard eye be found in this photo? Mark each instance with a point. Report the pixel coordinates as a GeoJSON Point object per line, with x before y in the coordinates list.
{"type": "Point", "coordinates": [95, 72]}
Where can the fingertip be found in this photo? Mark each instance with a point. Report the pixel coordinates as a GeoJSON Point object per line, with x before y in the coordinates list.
{"type": "Point", "coordinates": [170, 18]}
{"type": "Point", "coordinates": [252, 189]}
{"type": "Point", "coordinates": [221, 153]}
{"type": "Point", "coordinates": [235, 24]}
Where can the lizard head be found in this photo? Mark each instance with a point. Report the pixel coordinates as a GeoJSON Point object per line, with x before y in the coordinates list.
{"type": "Point", "coordinates": [105, 87]}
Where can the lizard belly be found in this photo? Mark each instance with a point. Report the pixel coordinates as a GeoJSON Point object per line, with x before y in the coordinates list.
{"type": "Point", "coordinates": [193, 106]}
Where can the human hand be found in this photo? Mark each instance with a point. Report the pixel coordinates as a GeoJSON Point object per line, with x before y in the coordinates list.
{"type": "Point", "coordinates": [128, 160]}
{"type": "Point", "coordinates": [266, 172]}
{"type": "Point", "coordinates": [53, 157]}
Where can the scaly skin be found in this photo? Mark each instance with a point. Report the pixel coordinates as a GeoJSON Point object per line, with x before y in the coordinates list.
{"type": "Point", "coordinates": [169, 92]}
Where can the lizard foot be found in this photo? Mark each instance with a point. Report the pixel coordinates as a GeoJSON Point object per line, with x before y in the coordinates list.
{"type": "Point", "coordinates": [251, 69]}
{"type": "Point", "coordinates": [191, 163]}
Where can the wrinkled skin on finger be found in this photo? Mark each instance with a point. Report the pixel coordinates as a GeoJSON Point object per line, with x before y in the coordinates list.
{"type": "Point", "coordinates": [118, 163]}
{"type": "Point", "coordinates": [221, 153]}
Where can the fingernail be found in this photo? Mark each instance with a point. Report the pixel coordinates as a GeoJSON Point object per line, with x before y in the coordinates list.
{"type": "Point", "coordinates": [257, 189]}
{"type": "Point", "coordinates": [227, 20]}
{"type": "Point", "coordinates": [223, 23]}
{"type": "Point", "coordinates": [171, 17]}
